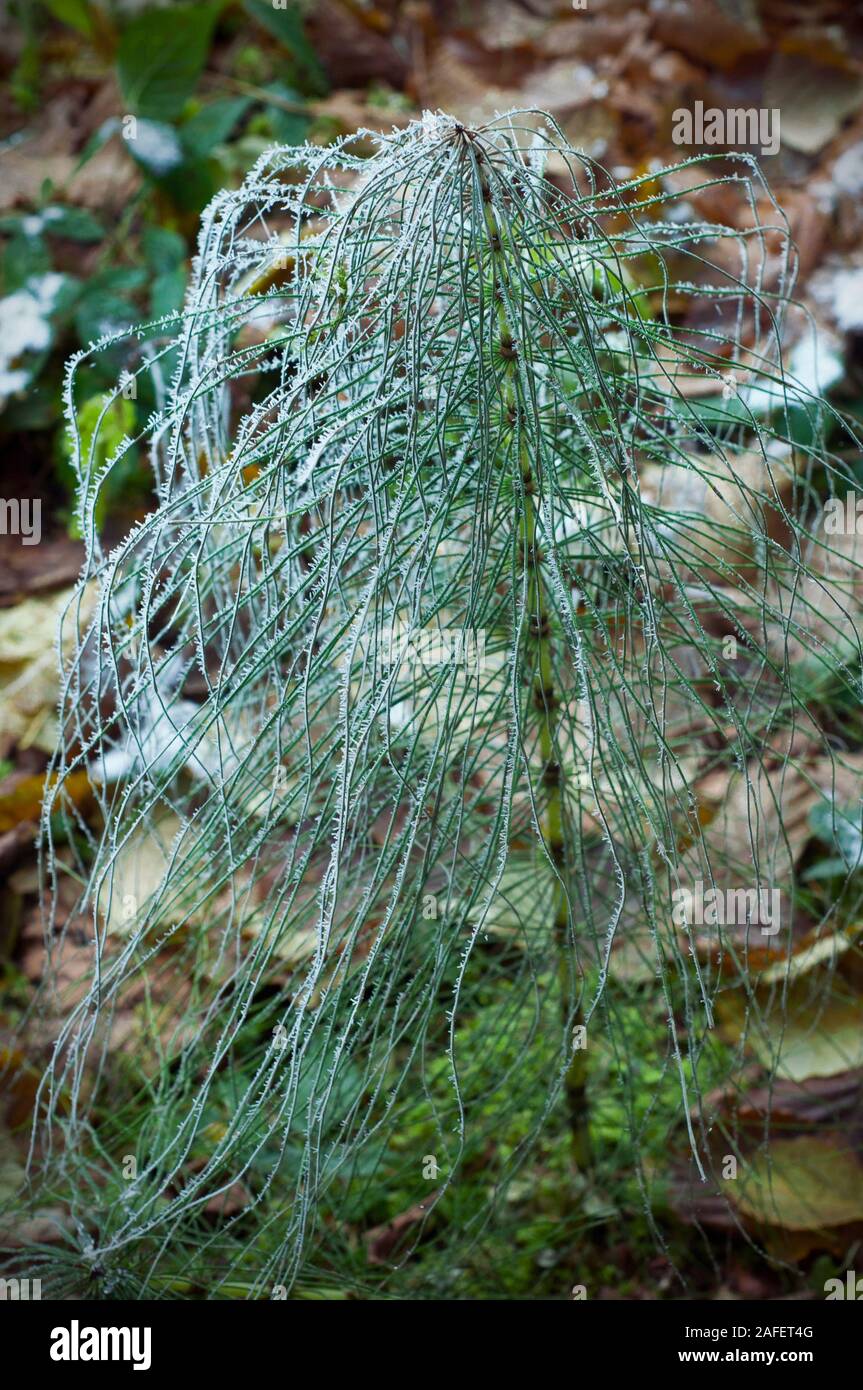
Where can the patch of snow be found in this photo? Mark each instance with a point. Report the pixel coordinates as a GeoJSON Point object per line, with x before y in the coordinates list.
{"type": "Point", "coordinates": [25, 327]}
{"type": "Point", "coordinates": [823, 194]}
{"type": "Point", "coordinates": [157, 146]}
{"type": "Point", "coordinates": [848, 299]}
{"type": "Point", "coordinates": [816, 362]}
{"type": "Point", "coordinates": [838, 288]}
{"type": "Point", "coordinates": [848, 170]}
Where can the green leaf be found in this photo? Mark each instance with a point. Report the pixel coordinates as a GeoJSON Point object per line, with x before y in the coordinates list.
{"type": "Point", "coordinates": [286, 25]}
{"type": "Point", "coordinates": [102, 312]}
{"type": "Point", "coordinates": [839, 828]}
{"type": "Point", "coordinates": [161, 56]}
{"type": "Point", "coordinates": [117, 422]}
{"type": "Point", "coordinates": [163, 249]}
{"type": "Point", "coordinates": [38, 407]}
{"type": "Point", "coordinates": [75, 13]}
{"type": "Point", "coordinates": [24, 256]}
{"type": "Point", "coordinates": [120, 277]}
{"type": "Point", "coordinates": [826, 868]}
{"type": "Point", "coordinates": [75, 224]}
{"type": "Point", "coordinates": [191, 186]}
{"type": "Point", "coordinates": [289, 127]}
{"type": "Point", "coordinates": [213, 124]}
{"type": "Point", "coordinates": [169, 289]}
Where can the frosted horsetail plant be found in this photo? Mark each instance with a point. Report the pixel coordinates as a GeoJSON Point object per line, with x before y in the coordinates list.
{"type": "Point", "coordinates": [358, 903]}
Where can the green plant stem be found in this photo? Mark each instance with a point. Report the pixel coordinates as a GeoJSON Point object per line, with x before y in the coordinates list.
{"type": "Point", "coordinates": [543, 694]}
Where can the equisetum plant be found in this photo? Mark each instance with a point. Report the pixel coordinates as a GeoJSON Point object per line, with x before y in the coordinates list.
{"type": "Point", "coordinates": [487, 539]}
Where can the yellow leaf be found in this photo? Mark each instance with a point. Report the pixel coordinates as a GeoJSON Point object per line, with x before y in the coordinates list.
{"type": "Point", "coordinates": [802, 1185]}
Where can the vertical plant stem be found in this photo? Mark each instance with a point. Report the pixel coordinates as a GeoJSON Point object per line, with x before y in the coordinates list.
{"type": "Point", "coordinates": [543, 693]}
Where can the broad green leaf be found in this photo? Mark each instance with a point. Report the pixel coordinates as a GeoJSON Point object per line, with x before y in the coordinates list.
{"type": "Point", "coordinates": [163, 249]}
{"type": "Point", "coordinates": [101, 312]}
{"type": "Point", "coordinates": [120, 277]}
{"type": "Point", "coordinates": [75, 224]}
{"type": "Point", "coordinates": [285, 23]}
{"type": "Point", "coordinates": [840, 828]}
{"type": "Point", "coordinates": [290, 127]}
{"type": "Point", "coordinates": [24, 256]}
{"type": "Point", "coordinates": [75, 13]}
{"type": "Point", "coordinates": [213, 124]}
{"type": "Point", "coordinates": [113, 424]}
{"type": "Point", "coordinates": [169, 288]}
{"type": "Point", "coordinates": [161, 56]}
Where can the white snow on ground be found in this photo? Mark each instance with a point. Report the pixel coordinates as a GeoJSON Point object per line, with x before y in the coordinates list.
{"type": "Point", "coordinates": [25, 327]}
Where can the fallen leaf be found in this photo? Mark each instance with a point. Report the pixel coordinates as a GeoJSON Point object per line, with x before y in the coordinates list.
{"type": "Point", "coordinates": [802, 1184]}
{"type": "Point", "coordinates": [727, 505]}
{"type": "Point", "coordinates": [814, 99]}
{"type": "Point", "coordinates": [816, 1102]}
{"type": "Point", "coordinates": [793, 1033]}
{"type": "Point", "coordinates": [29, 673]}
{"type": "Point", "coordinates": [706, 32]}
{"type": "Point", "coordinates": [140, 870]}
{"type": "Point", "coordinates": [234, 1199]}
{"type": "Point", "coordinates": [383, 1241]}
{"type": "Point", "coordinates": [754, 839]}
{"type": "Point", "coordinates": [24, 801]}
{"type": "Point", "coordinates": [44, 1226]}
{"type": "Point", "coordinates": [28, 570]}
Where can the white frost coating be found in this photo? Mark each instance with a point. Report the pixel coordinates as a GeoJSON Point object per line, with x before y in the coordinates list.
{"type": "Point", "coordinates": [430, 388]}
{"type": "Point", "coordinates": [25, 327]}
